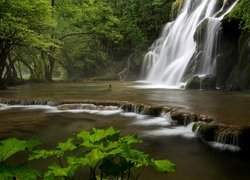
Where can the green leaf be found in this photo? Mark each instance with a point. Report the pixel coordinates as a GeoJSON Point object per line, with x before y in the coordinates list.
{"type": "Point", "coordinates": [84, 135]}
{"type": "Point", "coordinates": [56, 171]}
{"type": "Point", "coordinates": [44, 154]}
{"type": "Point", "coordinates": [134, 156]}
{"type": "Point", "coordinates": [21, 171]}
{"type": "Point", "coordinates": [67, 146]}
{"type": "Point", "coordinates": [82, 161]}
{"type": "Point", "coordinates": [110, 167]}
{"type": "Point", "coordinates": [99, 134]}
{"type": "Point", "coordinates": [94, 157]}
{"type": "Point", "coordinates": [32, 143]}
{"type": "Point", "coordinates": [164, 165]}
{"type": "Point", "coordinates": [131, 139]}
{"type": "Point", "coordinates": [11, 146]}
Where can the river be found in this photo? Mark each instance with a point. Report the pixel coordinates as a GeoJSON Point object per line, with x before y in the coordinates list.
{"type": "Point", "coordinates": [194, 159]}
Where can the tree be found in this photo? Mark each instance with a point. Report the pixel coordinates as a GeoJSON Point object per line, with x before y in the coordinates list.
{"type": "Point", "coordinates": [23, 23]}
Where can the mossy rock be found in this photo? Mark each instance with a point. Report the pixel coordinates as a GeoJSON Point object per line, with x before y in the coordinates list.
{"type": "Point", "coordinates": [206, 131]}
{"type": "Point", "coordinates": [202, 82]}
{"type": "Point", "coordinates": [184, 118]}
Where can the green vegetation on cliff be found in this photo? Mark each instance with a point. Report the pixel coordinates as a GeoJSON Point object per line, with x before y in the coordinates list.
{"type": "Point", "coordinates": [241, 12]}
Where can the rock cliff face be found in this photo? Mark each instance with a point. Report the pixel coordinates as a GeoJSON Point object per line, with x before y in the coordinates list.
{"type": "Point", "coordinates": [240, 74]}
{"type": "Point", "coordinates": [232, 58]}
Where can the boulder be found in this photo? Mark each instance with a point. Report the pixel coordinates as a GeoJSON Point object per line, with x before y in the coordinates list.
{"type": "Point", "coordinates": [207, 81]}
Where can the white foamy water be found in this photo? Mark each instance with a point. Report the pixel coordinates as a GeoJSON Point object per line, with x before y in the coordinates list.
{"type": "Point", "coordinates": [224, 147]}
{"type": "Point", "coordinates": [157, 121]}
{"type": "Point", "coordinates": [142, 120]}
{"type": "Point", "coordinates": [134, 115]}
{"type": "Point", "coordinates": [51, 109]}
{"type": "Point", "coordinates": [184, 131]}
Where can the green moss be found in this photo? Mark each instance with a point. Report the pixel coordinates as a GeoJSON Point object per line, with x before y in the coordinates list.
{"type": "Point", "coordinates": [176, 6]}
{"type": "Point", "coordinates": [241, 12]}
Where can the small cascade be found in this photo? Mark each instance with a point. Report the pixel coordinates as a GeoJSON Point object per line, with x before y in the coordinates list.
{"type": "Point", "coordinates": [218, 135]}
{"type": "Point", "coordinates": [30, 102]}
{"type": "Point", "coordinates": [142, 109]}
{"type": "Point", "coordinates": [162, 121]}
{"type": "Point", "coordinates": [228, 136]}
{"type": "Point", "coordinates": [168, 60]}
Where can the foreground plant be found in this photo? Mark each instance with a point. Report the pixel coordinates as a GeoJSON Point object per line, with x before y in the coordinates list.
{"type": "Point", "coordinates": [10, 147]}
{"type": "Point", "coordinates": [105, 152]}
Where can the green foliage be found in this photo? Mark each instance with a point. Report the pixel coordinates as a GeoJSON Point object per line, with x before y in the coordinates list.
{"type": "Point", "coordinates": [10, 147]}
{"type": "Point", "coordinates": [104, 151]}
{"type": "Point", "coordinates": [22, 19]}
{"type": "Point", "coordinates": [241, 12]}
{"type": "Point", "coordinates": [176, 6]}
{"type": "Point", "coordinates": [76, 39]}
{"type": "Point", "coordinates": [164, 165]}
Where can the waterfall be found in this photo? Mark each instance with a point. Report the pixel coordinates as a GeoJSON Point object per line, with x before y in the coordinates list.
{"type": "Point", "coordinates": [169, 56]}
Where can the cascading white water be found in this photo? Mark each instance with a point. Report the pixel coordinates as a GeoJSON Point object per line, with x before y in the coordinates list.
{"type": "Point", "coordinates": [169, 56]}
{"type": "Point", "coordinates": [208, 60]}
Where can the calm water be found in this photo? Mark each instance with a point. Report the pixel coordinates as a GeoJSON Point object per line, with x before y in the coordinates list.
{"type": "Point", "coordinates": [194, 159]}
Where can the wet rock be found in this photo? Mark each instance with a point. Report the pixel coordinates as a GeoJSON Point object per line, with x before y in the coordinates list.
{"type": "Point", "coordinates": [244, 138]}
{"type": "Point", "coordinates": [184, 118]}
{"type": "Point", "coordinates": [202, 82]}
{"type": "Point", "coordinates": [235, 88]}
{"type": "Point", "coordinates": [206, 131]}
{"type": "Point", "coordinates": [228, 135]}
{"type": "Point", "coordinates": [86, 106]}
{"type": "Point", "coordinates": [143, 109]}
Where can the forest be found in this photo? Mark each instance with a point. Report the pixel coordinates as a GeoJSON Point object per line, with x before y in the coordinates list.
{"type": "Point", "coordinates": [42, 40]}
{"type": "Point", "coordinates": [75, 39]}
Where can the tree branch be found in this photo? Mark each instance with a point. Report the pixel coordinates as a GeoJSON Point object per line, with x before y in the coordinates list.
{"type": "Point", "coordinates": [74, 34]}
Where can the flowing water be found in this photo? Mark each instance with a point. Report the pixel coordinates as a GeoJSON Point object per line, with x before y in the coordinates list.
{"type": "Point", "coordinates": [194, 159]}
{"type": "Point", "coordinates": [169, 57]}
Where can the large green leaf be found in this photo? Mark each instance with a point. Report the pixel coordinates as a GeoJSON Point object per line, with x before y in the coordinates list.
{"type": "Point", "coordinates": [56, 171]}
{"type": "Point", "coordinates": [164, 166]}
{"type": "Point", "coordinates": [99, 134]}
{"type": "Point", "coordinates": [131, 139]}
{"type": "Point", "coordinates": [44, 154]}
{"type": "Point", "coordinates": [11, 146]}
{"type": "Point", "coordinates": [94, 157]}
{"type": "Point", "coordinates": [134, 156]}
{"type": "Point", "coordinates": [84, 135]}
{"type": "Point", "coordinates": [21, 171]}
{"type": "Point", "coordinates": [72, 160]}
{"type": "Point", "coordinates": [67, 146]}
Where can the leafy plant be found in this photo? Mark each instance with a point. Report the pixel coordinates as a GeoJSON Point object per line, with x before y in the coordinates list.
{"type": "Point", "coordinates": [104, 151]}
{"type": "Point", "coordinates": [10, 147]}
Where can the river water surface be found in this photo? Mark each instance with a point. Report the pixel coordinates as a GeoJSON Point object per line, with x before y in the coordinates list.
{"type": "Point", "coordinates": [194, 159]}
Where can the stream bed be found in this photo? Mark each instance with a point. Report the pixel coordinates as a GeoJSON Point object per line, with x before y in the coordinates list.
{"type": "Point", "coordinates": [194, 158]}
